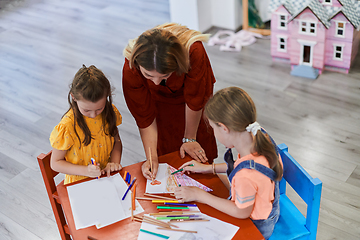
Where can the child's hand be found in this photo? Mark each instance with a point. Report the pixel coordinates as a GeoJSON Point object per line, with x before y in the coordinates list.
{"type": "Point", "coordinates": [93, 171]}
{"type": "Point", "coordinates": [188, 194]}
{"type": "Point", "coordinates": [195, 166]}
{"type": "Point", "coordinates": [145, 168]}
{"type": "Point", "coordinates": [111, 167]}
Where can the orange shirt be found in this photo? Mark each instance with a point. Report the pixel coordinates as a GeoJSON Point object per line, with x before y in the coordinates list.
{"type": "Point", "coordinates": [249, 187]}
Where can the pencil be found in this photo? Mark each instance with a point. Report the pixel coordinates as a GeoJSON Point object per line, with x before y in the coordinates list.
{"type": "Point", "coordinates": [178, 230]}
{"type": "Point", "coordinates": [133, 198]}
{"type": "Point", "coordinates": [165, 201]}
{"type": "Point", "coordinates": [129, 188]}
{"type": "Point", "coordinates": [153, 233]}
{"type": "Point", "coordinates": [150, 159]}
{"type": "Point", "coordinates": [156, 196]}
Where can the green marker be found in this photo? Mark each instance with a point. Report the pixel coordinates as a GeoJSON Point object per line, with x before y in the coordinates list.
{"type": "Point", "coordinates": [153, 233]}
{"type": "Point", "coordinates": [180, 170]}
{"type": "Point", "coordinates": [170, 207]}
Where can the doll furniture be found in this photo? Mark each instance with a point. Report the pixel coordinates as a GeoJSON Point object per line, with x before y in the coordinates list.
{"type": "Point", "coordinates": [315, 35]}
{"type": "Point", "coordinates": [292, 224]}
{"type": "Point", "coordinates": [48, 175]}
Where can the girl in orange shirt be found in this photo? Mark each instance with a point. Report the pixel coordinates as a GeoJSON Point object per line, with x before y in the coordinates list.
{"type": "Point", "coordinates": [254, 175]}
{"type": "Point", "coordinates": [87, 130]}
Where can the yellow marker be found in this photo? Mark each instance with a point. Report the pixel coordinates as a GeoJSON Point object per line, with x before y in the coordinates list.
{"type": "Point", "coordinates": [163, 201]}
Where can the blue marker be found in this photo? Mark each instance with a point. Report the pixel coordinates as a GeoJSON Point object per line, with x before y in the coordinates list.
{"type": "Point", "coordinates": [132, 183]}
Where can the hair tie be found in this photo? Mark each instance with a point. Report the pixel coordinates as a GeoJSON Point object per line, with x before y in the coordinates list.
{"type": "Point", "coordinates": [253, 128]}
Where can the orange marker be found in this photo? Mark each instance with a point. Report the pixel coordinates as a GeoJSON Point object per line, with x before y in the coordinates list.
{"type": "Point", "coordinates": [125, 175]}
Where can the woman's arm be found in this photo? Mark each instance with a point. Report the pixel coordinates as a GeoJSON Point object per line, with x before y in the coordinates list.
{"type": "Point", "coordinates": [59, 164]}
{"type": "Point", "coordinates": [194, 149]}
{"type": "Point", "coordinates": [149, 136]}
{"type": "Point", "coordinates": [188, 194]}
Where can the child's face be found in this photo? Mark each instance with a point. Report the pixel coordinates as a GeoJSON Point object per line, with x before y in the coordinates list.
{"type": "Point", "coordinates": [91, 109]}
{"type": "Point", "coordinates": [154, 76]}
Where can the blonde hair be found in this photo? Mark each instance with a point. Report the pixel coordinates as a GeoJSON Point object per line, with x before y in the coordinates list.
{"type": "Point", "coordinates": [164, 48]}
{"type": "Point", "coordinates": [234, 108]}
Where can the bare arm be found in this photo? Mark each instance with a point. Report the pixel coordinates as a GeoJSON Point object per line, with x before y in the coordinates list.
{"type": "Point", "coordinates": [149, 136]}
{"type": "Point", "coordinates": [192, 120]}
{"type": "Point", "coordinates": [187, 194]}
{"type": "Point", "coordinates": [115, 157]}
{"type": "Point", "coordinates": [59, 164]}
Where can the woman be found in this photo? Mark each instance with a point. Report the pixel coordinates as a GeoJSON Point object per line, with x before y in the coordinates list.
{"type": "Point", "coordinates": [167, 80]}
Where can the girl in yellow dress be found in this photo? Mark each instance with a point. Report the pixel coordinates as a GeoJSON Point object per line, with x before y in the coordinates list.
{"type": "Point", "coordinates": [87, 130]}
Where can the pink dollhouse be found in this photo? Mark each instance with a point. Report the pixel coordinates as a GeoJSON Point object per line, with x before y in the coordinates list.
{"type": "Point", "coordinates": [314, 35]}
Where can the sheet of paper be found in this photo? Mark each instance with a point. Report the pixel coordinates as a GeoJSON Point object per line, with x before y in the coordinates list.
{"type": "Point", "coordinates": [162, 176]}
{"type": "Point", "coordinates": [98, 202]}
{"type": "Point", "coordinates": [214, 229]}
{"type": "Point", "coordinates": [169, 182]}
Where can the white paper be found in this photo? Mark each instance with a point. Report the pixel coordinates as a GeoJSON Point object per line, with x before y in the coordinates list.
{"type": "Point", "coordinates": [162, 176]}
{"type": "Point", "coordinates": [214, 229]}
{"type": "Point", "coordinates": [98, 202]}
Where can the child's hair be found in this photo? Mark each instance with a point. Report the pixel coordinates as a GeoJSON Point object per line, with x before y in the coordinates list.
{"type": "Point", "coordinates": [234, 108]}
{"type": "Point", "coordinates": [164, 48]}
{"type": "Point", "coordinates": [90, 84]}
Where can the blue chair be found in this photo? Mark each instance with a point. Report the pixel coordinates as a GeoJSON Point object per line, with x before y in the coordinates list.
{"type": "Point", "coordinates": [292, 224]}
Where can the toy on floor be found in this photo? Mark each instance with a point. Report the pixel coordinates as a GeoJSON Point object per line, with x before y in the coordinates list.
{"type": "Point", "coordinates": [314, 35]}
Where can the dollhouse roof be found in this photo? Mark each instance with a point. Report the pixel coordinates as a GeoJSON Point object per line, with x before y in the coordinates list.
{"type": "Point", "coordinates": [350, 9]}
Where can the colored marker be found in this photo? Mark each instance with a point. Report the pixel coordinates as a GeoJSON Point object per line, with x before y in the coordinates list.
{"type": "Point", "coordinates": [165, 201]}
{"type": "Point", "coordinates": [180, 204]}
{"type": "Point", "coordinates": [180, 170]}
{"type": "Point", "coordinates": [132, 183]}
{"type": "Point", "coordinates": [170, 218]}
{"type": "Point", "coordinates": [94, 163]}
{"type": "Point", "coordinates": [168, 207]}
{"type": "Point", "coordinates": [153, 233]}
{"type": "Point", "coordinates": [125, 174]}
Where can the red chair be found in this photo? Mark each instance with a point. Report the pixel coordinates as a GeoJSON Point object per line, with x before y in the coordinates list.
{"type": "Point", "coordinates": [48, 176]}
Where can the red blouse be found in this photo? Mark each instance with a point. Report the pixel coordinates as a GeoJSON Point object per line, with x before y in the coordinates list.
{"type": "Point", "coordinates": [147, 101]}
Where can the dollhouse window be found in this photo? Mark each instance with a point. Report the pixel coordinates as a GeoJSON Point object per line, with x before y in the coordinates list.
{"type": "Point", "coordinates": [308, 27]}
{"type": "Point", "coordinates": [282, 44]}
{"type": "Point", "coordinates": [338, 52]}
{"type": "Point", "coordinates": [282, 22]}
{"type": "Point", "coordinates": [340, 29]}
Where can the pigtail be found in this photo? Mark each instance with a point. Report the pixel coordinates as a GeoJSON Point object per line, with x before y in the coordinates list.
{"type": "Point", "coordinates": [264, 146]}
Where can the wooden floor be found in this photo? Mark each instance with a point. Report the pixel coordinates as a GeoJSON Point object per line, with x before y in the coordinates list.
{"type": "Point", "coordinates": [42, 45]}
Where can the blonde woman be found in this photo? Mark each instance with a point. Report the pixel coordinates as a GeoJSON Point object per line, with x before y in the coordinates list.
{"type": "Point", "coordinates": [167, 80]}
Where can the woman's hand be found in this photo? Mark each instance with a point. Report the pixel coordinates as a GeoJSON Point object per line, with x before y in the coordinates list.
{"type": "Point", "coordinates": [194, 150]}
{"type": "Point", "coordinates": [196, 167]}
{"type": "Point", "coordinates": [188, 194]}
{"type": "Point", "coordinates": [111, 167]}
{"type": "Point", "coordinates": [145, 168]}
{"type": "Point", "coordinates": [93, 171]}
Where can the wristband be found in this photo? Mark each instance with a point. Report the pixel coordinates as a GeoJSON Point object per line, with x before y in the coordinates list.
{"type": "Point", "coordinates": [213, 168]}
{"type": "Point", "coordinates": [185, 140]}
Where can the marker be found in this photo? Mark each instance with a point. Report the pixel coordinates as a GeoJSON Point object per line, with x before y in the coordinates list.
{"type": "Point", "coordinates": [165, 201]}
{"type": "Point", "coordinates": [180, 204]}
{"type": "Point", "coordinates": [132, 183]}
{"type": "Point", "coordinates": [170, 218]}
{"type": "Point", "coordinates": [168, 207]}
{"type": "Point", "coordinates": [153, 233]}
{"type": "Point", "coordinates": [180, 170]}
{"type": "Point", "coordinates": [125, 174]}
{"type": "Point", "coordinates": [94, 163]}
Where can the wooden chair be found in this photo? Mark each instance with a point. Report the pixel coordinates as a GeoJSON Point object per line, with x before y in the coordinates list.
{"type": "Point", "coordinates": [48, 176]}
{"type": "Point", "coordinates": [292, 224]}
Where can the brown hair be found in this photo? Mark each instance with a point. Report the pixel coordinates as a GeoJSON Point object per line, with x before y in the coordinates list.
{"type": "Point", "coordinates": [234, 108]}
{"type": "Point", "coordinates": [91, 84]}
{"type": "Point", "coordinates": [164, 48]}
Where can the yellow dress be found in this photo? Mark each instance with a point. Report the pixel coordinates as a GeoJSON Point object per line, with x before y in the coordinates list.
{"type": "Point", "coordinates": [63, 137]}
